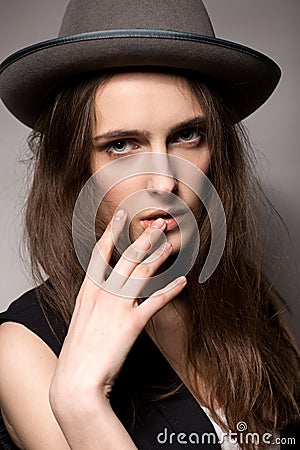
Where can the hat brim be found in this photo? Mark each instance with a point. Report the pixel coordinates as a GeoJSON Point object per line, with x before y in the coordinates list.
{"type": "Point", "coordinates": [247, 76]}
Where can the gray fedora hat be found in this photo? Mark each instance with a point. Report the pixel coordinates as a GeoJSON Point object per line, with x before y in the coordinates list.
{"type": "Point", "coordinates": [103, 34]}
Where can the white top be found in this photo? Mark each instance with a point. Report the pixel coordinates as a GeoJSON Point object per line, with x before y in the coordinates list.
{"type": "Point", "coordinates": [231, 441]}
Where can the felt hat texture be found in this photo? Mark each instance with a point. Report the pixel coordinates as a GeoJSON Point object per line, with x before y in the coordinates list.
{"type": "Point", "coordinates": [104, 34]}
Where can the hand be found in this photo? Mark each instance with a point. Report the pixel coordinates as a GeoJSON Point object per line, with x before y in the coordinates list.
{"type": "Point", "coordinates": [107, 317]}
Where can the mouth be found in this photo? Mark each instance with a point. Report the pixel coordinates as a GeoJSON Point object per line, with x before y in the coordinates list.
{"type": "Point", "coordinates": [172, 219]}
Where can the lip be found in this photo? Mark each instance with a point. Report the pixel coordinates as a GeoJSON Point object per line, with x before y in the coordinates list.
{"type": "Point", "coordinates": [172, 222]}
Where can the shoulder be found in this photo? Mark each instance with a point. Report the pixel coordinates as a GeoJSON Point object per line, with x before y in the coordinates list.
{"type": "Point", "coordinates": [31, 311]}
{"type": "Point", "coordinates": [27, 366]}
{"type": "Point", "coordinates": [31, 336]}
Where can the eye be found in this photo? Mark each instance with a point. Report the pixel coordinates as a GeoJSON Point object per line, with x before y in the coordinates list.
{"type": "Point", "coordinates": [190, 136]}
{"type": "Point", "coordinates": [119, 147]}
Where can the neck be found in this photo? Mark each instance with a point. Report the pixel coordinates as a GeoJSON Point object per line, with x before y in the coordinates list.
{"type": "Point", "coordinates": [167, 330]}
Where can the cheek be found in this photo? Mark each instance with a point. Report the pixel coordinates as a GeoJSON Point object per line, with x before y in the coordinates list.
{"type": "Point", "coordinates": [109, 205]}
{"type": "Point", "coordinates": [127, 186]}
{"type": "Point", "coordinates": [121, 192]}
{"type": "Point", "coordinates": [202, 160]}
{"type": "Point", "coordinates": [206, 163]}
{"type": "Point", "coordinates": [115, 195]}
{"type": "Point", "coordinates": [189, 196]}
{"type": "Point", "coordinates": [198, 163]}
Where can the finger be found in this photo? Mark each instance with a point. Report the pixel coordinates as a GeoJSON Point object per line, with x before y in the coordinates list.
{"type": "Point", "coordinates": [149, 266]}
{"type": "Point", "coordinates": [160, 298]}
{"type": "Point", "coordinates": [142, 274]}
{"type": "Point", "coordinates": [134, 254]}
{"type": "Point", "coordinates": [145, 270]}
{"type": "Point", "coordinates": [102, 251]}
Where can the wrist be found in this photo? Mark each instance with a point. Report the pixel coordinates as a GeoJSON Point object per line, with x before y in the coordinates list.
{"type": "Point", "coordinates": [78, 401]}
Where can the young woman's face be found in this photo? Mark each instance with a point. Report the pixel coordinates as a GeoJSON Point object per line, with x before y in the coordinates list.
{"type": "Point", "coordinates": [158, 115]}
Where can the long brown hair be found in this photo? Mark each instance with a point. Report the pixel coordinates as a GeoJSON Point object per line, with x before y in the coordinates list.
{"type": "Point", "coordinates": [236, 338]}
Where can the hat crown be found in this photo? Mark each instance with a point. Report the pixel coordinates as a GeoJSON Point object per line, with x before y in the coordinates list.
{"type": "Point", "coordinates": [84, 16]}
{"type": "Point", "coordinates": [97, 35]}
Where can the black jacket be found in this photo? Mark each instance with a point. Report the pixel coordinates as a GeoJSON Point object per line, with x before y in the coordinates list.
{"type": "Point", "coordinates": [176, 422]}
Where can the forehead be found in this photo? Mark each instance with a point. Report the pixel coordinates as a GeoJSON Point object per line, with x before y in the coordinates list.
{"type": "Point", "coordinates": [139, 99]}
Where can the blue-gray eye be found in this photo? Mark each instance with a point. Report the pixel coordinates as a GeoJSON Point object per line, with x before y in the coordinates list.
{"type": "Point", "coordinates": [121, 146]}
{"type": "Point", "coordinates": [189, 135]}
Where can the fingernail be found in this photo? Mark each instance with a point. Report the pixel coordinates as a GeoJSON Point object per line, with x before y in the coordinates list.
{"type": "Point", "coordinates": [158, 223]}
{"type": "Point", "coordinates": [181, 280]}
{"type": "Point", "coordinates": [120, 214]}
{"type": "Point", "coordinates": [166, 246]}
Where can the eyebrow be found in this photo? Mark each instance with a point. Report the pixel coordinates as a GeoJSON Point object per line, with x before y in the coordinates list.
{"type": "Point", "coordinates": [198, 121]}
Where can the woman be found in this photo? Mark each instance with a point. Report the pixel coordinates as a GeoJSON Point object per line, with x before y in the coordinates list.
{"type": "Point", "coordinates": [99, 356]}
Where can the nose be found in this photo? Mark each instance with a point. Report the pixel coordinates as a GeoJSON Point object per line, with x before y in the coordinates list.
{"type": "Point", "coordinates": [161, 177]}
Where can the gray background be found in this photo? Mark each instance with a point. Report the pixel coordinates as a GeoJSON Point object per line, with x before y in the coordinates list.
{"type": "Point", "coordinates": [270, 26]}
